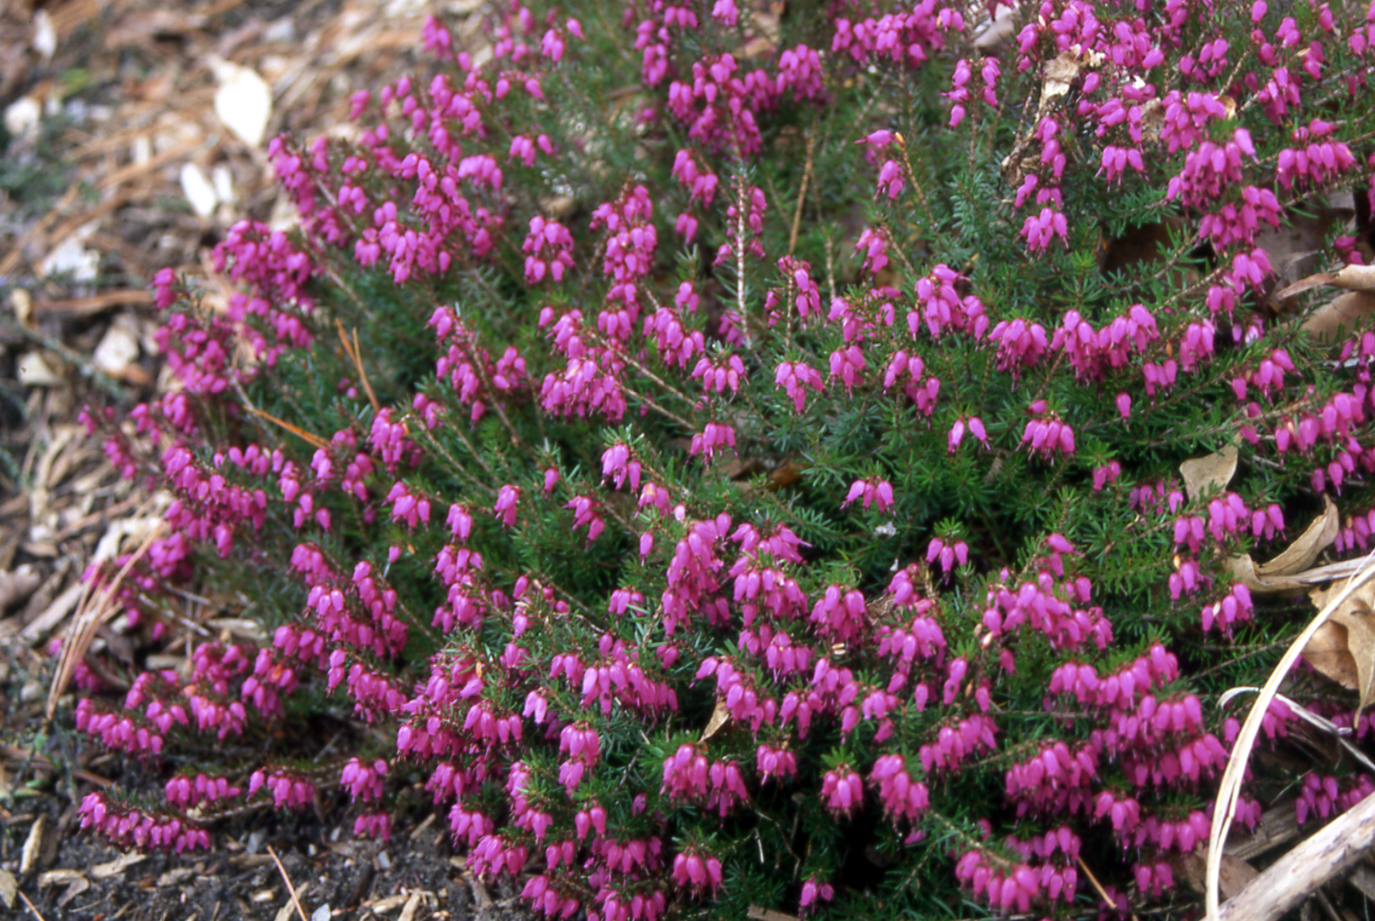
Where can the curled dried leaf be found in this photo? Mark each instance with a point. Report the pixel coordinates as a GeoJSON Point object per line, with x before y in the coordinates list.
{"type": "Point", "coordinates": [1355, 278]}
{"type": "Point", "coordinates": [1215, 471]}
{"type": "Point", "coordinates": [1349, 278]}
{"type": "Point", "coordinates": [1288, 572]}
{"type": "Point", "coordinates": [1344, 649]}
{"type": "Point", "coordinates": [1327, 652]}
{"type": "Point", "coordinates": [1243, 569]}
{"type": "Point", "coordinates": [1300, 555]}
{"type": "Point", "coordinates": [719, 717]}
{"type": "Point", "coordinates": [1060, 73]}
{"type": "Point", "coordinates": [1342, 313]}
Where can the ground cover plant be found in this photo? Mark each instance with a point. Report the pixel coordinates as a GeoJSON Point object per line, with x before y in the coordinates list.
{"type": "Point", "coordinates": [732, 455]}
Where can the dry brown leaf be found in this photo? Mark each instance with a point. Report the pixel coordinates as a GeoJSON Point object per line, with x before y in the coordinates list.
{"type": "Point", "coordinates": [1355, 278]}
{"type": "Point", "coordinates": [75, 882]}
{"type": "Point", "coordinates": [33, 845]}
{"type": "Point", "coordinates": [1341, 313]}
{"type": "Point", "coordinates": [1294, 250]}
{"type": "Point", "coordinates": [1356, 619]}
{"type": "Point", "coordinates": [59, 877]}
{"type": "Point", "coordinates": [759, 913]}
{"type": "Point", "coordinates": [1288, 571]}
{"type": "Point", "coordinates": [1243, 569]}
{"type": "Point", "coordinates": [1299, 555]}
{"type": "Point", "coordinates": [1229, 788]}
{"type": "Point", "coordinates": [1204, 473]}
{"type": "Point", "coordinates": [1349, 278]}
{"type": "Point", "coordinates": [118, 865]}
{"type": "Point", "coordinates": [1060, 73]}
{"type": "Point", "coordinates": [1327, 652]}
{"type": "Point", "coordinates": [719, 717]}
{"type": "Point", "coordinates": [1304, 284]}
{"type": "Point", "coordinates": [175, 877]}
{"type": "Point", "coordinates": [1192, 867]}
{"type": "Point", "coordinates": [991, 35]}
{"type": "Point", "coordinates": [1297, 248]}
{"type": "Point", "coordinates": [1359, 621]}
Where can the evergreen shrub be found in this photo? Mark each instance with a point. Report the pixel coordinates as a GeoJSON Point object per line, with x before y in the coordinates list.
{"type": "Point", "coordinates": [729, 456]}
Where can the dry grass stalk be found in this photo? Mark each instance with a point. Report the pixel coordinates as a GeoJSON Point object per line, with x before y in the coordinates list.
{"type": "Point", "coordinates": [355, 355]}
{"type": "Point", "coordinates": [94, 610]}
{"type": "Point", "coordinates": [289, 887]}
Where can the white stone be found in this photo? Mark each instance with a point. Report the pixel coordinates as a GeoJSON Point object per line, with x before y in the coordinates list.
{"type": "Point", "coordinates": [118, 349]}
{"type": "Point", "coordinates": [44, 35]}
{"type": "Point", "coordinates": [34, 371]}
{"type": "Point", "coordinates": [71, 256]}
{"type": "Point", "coordinates": [198, 190]}
{"type": "Point", "coordinates": [223, 180]}
{"type": "Point", "coordinates": [243, 101]}
{"type": "Point", "coordinates": [22, 115]}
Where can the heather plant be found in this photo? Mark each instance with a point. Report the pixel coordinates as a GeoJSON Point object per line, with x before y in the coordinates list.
{"type": "Point", "coordinates": [727, 460]}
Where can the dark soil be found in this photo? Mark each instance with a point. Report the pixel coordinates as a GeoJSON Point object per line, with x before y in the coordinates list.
{"type": "Point", "coordinates": [74, 875]}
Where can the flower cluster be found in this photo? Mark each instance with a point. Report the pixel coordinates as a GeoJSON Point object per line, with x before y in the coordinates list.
{"type": "Point", "coordinates": [689, 498]}
{"type": "Point", "coordinates": [126, 827]}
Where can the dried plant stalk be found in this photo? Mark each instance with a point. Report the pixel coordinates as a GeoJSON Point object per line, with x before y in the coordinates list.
{"type": "Point", "coordinates": [90, 615]}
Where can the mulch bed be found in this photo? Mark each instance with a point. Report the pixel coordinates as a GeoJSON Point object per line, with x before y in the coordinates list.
{"type": "Point", "coordinates": [109, 105]}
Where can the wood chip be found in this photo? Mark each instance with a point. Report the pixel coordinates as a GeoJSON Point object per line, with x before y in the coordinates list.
{"type": "Point", "coordinates": [33, 845]}
{"type": "Point", "coordinates": [9, 888]}
{"type": "Point", "coordinates": [58, 877]}
{"type": "Point", "coordinates": [174, 876]}
{"type": "Point", "coordinates": [75, 882]}
{"type": "Point", "coordinates": [18, 585]}
{"type": "Point", "coordinates": [53, 615]}
{"type": "Point", "coordinates": [423, 826]}
{"type": "Point", "coordinates": [118, 865]}
{"type": "Point", "coordinates": [382, 906]}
